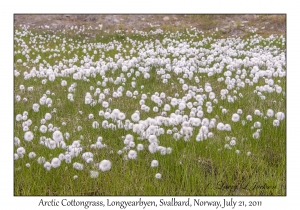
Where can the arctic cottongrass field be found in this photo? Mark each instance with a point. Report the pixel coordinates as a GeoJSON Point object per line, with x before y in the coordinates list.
{"type": "Point", "coordinates": [148, 113]}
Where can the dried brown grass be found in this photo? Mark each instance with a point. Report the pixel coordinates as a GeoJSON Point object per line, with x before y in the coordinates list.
{"type": "Point", "coordinates": [265, 23]}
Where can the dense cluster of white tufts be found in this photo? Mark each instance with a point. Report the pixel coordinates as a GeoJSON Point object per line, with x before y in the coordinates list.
{"type": "Point", "coordinates": [192, 91]}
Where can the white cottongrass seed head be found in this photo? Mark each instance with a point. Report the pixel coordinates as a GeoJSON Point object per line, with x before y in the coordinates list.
{"type": "Point", "coordinates": [28, 136]}
{"type": "Point", "coordinates": [105, 165]}
{"type": "Point", "coordinates": [158, 176]}
{"type": "Point", "coordinates": [132, 154]}
{"type": "Point", "coordinates": [235, 117]}
{"type": "Point", "coordinates": [154, 163]}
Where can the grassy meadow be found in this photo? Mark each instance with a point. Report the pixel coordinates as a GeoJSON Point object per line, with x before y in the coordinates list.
{"type": "Point", "coordinates": [162, 82]}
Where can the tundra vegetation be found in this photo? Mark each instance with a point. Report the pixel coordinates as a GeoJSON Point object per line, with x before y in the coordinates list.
{"type": "Point", "coordinates": [157, 112]}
